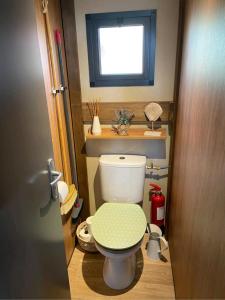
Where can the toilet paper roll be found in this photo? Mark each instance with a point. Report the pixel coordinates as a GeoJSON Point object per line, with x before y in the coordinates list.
{"type": "Point", "coordinates": [89, 223]}
{"type": "Point", "coordinates": [85, 236]}
{"type": "Point", "coordinates": [156, 229]}
{"type": "Point", "coordinates": [63, 191]}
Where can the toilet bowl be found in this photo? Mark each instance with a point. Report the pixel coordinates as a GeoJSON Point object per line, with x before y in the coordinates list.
{"type": "Point", "coordinates": [119, 266]}
{"type": "Point", "coordinates": [119, 225]}
{"type": "Point", "coordinates": [118, 230]}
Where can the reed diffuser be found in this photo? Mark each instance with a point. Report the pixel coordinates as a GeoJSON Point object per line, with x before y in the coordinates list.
{"type": "Point", "coordinates": [93, 107]}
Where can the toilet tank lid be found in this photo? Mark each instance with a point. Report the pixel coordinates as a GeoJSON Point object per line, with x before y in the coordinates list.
{"type": "Point", "coordinates": [121, 160]}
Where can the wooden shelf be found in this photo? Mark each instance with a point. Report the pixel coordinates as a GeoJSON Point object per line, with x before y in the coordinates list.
{"type": "Point", "coordinates": [133, 134]}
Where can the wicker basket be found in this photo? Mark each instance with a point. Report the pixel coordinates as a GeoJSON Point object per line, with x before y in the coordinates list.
{"type": "Point", "coordinates": [87, 246]}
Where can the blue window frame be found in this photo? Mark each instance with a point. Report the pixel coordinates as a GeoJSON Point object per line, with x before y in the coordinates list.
{"type": "Point", "coordinates": [94, 22]}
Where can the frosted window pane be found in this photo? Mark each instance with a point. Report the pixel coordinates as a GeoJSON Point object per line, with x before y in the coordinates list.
{"type": "Point", "coordinates": [121, 50]}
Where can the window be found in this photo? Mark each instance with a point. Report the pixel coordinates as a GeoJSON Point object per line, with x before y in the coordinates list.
{"type": "Point", "coordinates": [121, 48]}
{"type": "Point", "coordinates": [118, 47]}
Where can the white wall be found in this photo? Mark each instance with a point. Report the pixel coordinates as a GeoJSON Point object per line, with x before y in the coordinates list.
{"type": "Point", "coordinates": [166, 42]}
{"type": "Point", "coordinates": [167, 20]}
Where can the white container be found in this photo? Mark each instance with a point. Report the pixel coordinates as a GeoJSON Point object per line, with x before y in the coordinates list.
{"type": "Point", "coordinates": [122, 178]}
{"type": "Point", "coordinates": [96, 126]}
{"type": "Point", "coordinates": [154, 249]}
{"type": "Point", "coordinates": [156, 241]}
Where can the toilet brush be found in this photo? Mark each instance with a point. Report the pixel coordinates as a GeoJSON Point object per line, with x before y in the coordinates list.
{"type": "Point", "coordinates": [149, 229]}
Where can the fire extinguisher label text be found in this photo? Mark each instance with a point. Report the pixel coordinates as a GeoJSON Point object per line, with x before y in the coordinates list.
{"type": "Point", "coordinates": [160, 213]}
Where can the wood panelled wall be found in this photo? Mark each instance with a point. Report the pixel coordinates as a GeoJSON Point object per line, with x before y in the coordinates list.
{"type": "Point", "coordinates": [197, 214]}
{"type": "Point", "coordinates": [108, 109]}
{"type": "Point", "coordinates": [69, 30]}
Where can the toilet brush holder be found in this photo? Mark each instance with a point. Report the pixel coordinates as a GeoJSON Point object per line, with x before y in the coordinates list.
{"type": "Point", "coordinates": [156, 244]}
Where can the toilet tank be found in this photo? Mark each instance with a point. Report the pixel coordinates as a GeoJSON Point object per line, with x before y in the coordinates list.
{"type": "Point", "coordinates": [122, 178]}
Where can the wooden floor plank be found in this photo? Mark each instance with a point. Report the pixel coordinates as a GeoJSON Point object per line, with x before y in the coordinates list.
{"type": "Point", "coordinates": [153, 278]}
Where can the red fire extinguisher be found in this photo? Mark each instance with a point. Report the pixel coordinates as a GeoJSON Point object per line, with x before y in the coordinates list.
{"type": "Point", "coordinates": [157, 205]}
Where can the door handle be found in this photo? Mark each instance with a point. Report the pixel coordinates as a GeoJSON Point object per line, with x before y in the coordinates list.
{"type": "Point", "coordinates": [56, 174]}
{"type": "Point", "coordinates": [54, 177]}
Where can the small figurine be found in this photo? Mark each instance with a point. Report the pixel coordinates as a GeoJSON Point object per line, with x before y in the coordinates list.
{"type": "Point", "coordinates": [153, 111]}
{"type": "Point", "coordinates": [124, 118]}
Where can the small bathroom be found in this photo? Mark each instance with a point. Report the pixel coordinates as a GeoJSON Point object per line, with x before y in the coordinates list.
{"type": "Point", "coordinates": [113, 156]}
{"type": "Point", "coordinates": [114, 144]}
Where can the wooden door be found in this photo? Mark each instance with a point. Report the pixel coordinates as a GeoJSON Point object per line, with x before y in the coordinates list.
{"type": "Point", "coordinates": [32, 254]}
{"type": "Point", "coordinates": [197, 213]}
{"type": "Point", "coordinates": [56, 107]}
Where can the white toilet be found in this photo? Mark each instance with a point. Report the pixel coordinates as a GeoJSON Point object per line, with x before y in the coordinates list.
{"type": "Point", "coordinates": [119, 225]}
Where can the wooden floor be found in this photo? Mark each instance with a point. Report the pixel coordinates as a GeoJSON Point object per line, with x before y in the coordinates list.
{"type": "Point", "coordinates": [153, 278]}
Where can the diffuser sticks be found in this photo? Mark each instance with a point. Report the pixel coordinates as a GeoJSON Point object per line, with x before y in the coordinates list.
{"type": "Point", "coordinates": [93, 107]}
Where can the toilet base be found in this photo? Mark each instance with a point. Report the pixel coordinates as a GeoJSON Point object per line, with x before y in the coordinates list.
{"type": "Point", "coordinates": [119, 266]}
{"type": "Point", "coordinates": [119, 274]}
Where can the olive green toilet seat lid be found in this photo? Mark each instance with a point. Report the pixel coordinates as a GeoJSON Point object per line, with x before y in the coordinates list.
{"type": "Point", "coordinates": [118, 226]}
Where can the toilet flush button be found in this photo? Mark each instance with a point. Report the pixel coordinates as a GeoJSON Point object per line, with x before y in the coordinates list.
{"type": "Point", "coordinates": [122, 157]}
